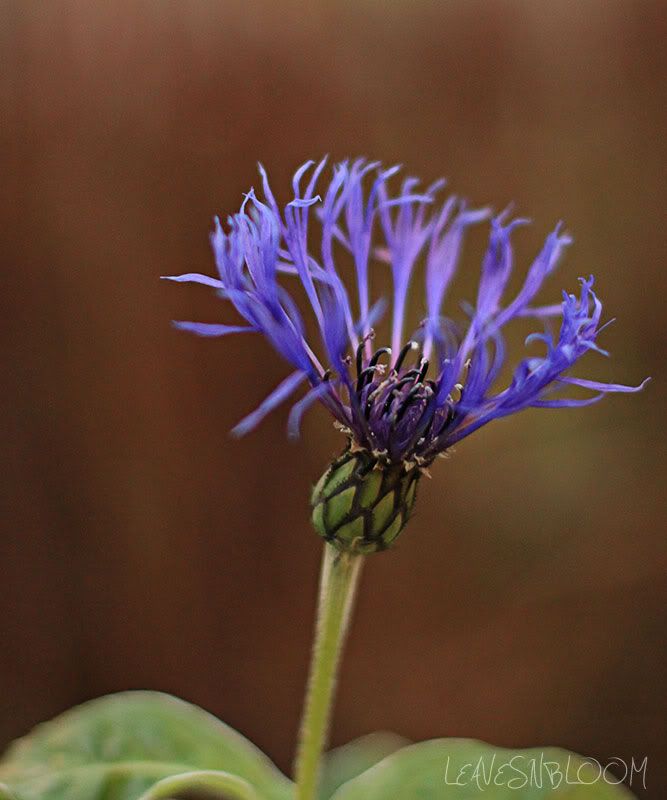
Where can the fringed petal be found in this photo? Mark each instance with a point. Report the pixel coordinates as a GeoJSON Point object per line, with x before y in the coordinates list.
{"type": "Point", "coordinates": [384, 395]}
{"type": "Point", "coordinates": [554, 310]}
{"type": "Point", "coordinates": [444, 251]}
{"type": "Point", "coordinates": [277, 396]}
{"type": "Point", "coordinates": [598, 386]}
{"type": "Point", "coordinates": [211, 329]}
{"type": "Point", "coordinates": [194, 277]}
{"type": "Point", "coordinates": [567, 402]}
{"type": "Point", "coordinates": [300, 408]}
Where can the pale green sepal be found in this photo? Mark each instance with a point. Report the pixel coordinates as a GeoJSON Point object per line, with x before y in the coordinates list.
{"type": "Point", "coordinates": [370, 488]}
{"type": "Point", "coordinates": [318, 519]}
{"type": "Point", "coordinates": [393, 530]}
{"type": "Point", "coordinates": [319, 486]}
{"type": "Point", "coordinates": [463, 769]}
{"type": "Point", "coordinates": [339, 506]}
{"type": "Point", "coordinates": [382, 513]}
{"type": "Point", "coordinates": [351, 532]}
{"type": "Point", "coordinates": [339, 475]}
{"type": "Point", "coordinates": [410, 496]}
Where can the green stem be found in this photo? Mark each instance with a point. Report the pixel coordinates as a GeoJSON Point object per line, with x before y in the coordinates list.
{"type": "Point", "coordinates": [338, 582]}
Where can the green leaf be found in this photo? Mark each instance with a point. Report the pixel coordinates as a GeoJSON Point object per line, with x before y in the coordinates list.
{"type": "Point", "coordinates": [202, 786]}
{"type": "Point", "coordinates": [462, 769]}
{"type": "Point", "coordinates": [345, 763]}
{"type": "Point", "coordinates": [5, 794]}
{"type": "Point", "coordinates": [129, 747]}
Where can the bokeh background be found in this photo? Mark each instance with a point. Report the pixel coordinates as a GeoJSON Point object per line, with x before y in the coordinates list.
{"type": "Point", "coordinates": [144, 547]}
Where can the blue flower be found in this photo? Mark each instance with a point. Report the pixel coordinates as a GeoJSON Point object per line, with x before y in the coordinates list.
{"type": "Point", "coordinates": [429, 387]}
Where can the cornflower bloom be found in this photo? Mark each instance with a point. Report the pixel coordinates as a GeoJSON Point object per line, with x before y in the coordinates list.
{"type": "Point", "coordinates": [409, 400]}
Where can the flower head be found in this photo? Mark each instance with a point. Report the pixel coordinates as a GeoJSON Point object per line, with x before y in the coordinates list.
{"type": "Point", "coordinates": [405, 400]}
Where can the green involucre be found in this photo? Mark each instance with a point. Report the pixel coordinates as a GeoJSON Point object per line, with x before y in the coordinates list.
{"type": "Point", "coordinates": [361, 504]}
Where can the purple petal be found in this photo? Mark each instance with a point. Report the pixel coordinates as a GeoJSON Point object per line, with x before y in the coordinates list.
{"type": "Point", "coordinates": [496, 265]}
{"type": "Point", "coordinates": [212, 329]}
{"type": "Point", "coordinates": [296, 180]}
{"type": "Point", "coordinates": [406, 198]}
{"type": "Point", "coordinates": [567, 402]}
{"type": "Point", "coordinates": [299, 408]}
{"type": "Point", "coordinates": [603, 387]}
{"type": "Point", "coordinates": [268, 194]}
{"type": "Point", "coordinates": [280, 393]}
{"type": "Point", "coordinates": [542, 266]}
{"type": "Point", "coordinates": [554, 310]}
{"type": "Point", "coordinates": [373, 317]}
{"type": "Point", "coordinates": [194, 277]}
{"type": "Point", "coordinates": [443, 257]}
{"type": "Point", "coordinates": [299, 202]}
{"type": "Point", "coordinates": [315, 177]}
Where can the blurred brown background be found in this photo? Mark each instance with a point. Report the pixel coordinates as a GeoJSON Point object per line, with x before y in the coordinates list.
{"type": "Point", "coordinates": [145, 548]}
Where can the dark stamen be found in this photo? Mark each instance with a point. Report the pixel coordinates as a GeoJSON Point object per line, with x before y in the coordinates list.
{"type": "Point", "coordinates": [409, 376]}
{"type": "Point", "coordinates": [411, 345]}
{"type": "Point", "coordinates": [378, 355]}
{"type": "Point", "coordinates": [406, 379]}
{"type": "Point", "coordinates": [427, 430]}
{"type": "Point", "coordinates": [365, 375]}
{"type": "Point", "coordinates": [360, 358]}
{"type": "Point", "coordinates": [390, 399]}
{"type": "Point", "coordinates": [372, 396]}
{"type": "Point", "coordinates": [414, 394]}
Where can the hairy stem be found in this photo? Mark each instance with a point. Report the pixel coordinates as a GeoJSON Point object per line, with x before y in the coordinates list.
{"type": "Point", "coordinates": [338, 582]}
